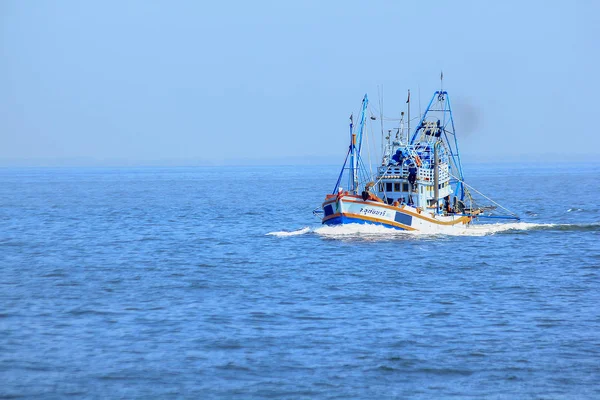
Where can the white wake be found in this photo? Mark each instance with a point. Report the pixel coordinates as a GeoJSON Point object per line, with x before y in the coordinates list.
{"type": "Point", "coordinates": [462, 230]}
{"type": "Point", "coordinates": [290, 233]}
{"type": "Point", "coordinates": [378, 231]}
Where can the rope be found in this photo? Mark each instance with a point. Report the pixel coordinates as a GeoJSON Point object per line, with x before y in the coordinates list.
{"type": "Point", "coordinates": [484, 196]}
{"type": "Point", "coordinates": [386, 170]}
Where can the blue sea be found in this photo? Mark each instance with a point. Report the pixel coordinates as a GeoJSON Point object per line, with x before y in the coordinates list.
{"type": "Point", "coordinates": [219, 283]}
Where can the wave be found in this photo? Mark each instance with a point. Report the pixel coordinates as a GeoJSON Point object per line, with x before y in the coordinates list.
{"type": "Point", "coordinates": [491, 229]}
{"type": "Point", "coordinates": [290, 233]}
{"type": "Point", "coordinates": [377, 231]}
{"type": "Point", "coordinates": [591, 227]}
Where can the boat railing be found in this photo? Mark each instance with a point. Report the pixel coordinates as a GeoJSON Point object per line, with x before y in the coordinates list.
{"type": "Point", "coordinates": [426, 174]}
{"type": "Point", "coordinates": [393, 170]}
{"type": "Point", "coordinates": [423, 174]}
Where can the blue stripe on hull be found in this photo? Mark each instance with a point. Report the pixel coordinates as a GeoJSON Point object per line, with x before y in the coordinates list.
{"type": "Point", "coordinates": [348, 220]}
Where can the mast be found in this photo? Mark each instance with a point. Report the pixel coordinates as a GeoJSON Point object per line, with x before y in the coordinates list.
{"type": "Point", "coordinates": [361, 124]}
{"type": "Point", "coordinates": [436, 176]}
{"type": "Point", "coordinates": [351, 151]}
{"type": "Point", "coordinates": [354, 165]}
{"type": "Point", "coordinates": [356, 144]}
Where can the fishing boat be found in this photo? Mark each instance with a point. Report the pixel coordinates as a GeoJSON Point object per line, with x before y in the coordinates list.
{"type": "Point", "coordinates": [419, 184]}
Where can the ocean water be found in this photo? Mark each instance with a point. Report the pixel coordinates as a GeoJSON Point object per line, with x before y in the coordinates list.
{"type": "Point", "coordinates": [219, 283]}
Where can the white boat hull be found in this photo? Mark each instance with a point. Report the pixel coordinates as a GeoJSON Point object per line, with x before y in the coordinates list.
{"type": "Point", "coordinates": [349, 209]}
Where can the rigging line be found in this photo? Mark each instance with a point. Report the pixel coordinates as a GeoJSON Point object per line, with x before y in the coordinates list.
{"type": "Point", "coordinates": [341, 173]}
{"type": "Point", "coordinates": [370, 108]}
{"type": "Point", "coordinates": [419, 89]}
{"type": "Point", "coordinates": [374, 112]}
{"type": "Point", "coordinates": [365, 177]}
{"type": "Point", "coordinates": [481, 194]}
{"type": "Point", "coordinates": [382, 175]}
{"type": "Point", "coordinates": [369, 146]}
{"type": "Point", "coordinates": [381, 111]}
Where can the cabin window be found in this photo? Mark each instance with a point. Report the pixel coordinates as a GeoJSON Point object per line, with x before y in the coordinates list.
{"type": "Point", "coordinates": [421, 189]}
{"type": "Point", "coordinates": [381, 186]}
{"type": "Point", "coordinates": [388, 186]}
{"type": "Point", "coordinates": [396, 187]}
{"type": "Point", "coordinates": [405, 187]}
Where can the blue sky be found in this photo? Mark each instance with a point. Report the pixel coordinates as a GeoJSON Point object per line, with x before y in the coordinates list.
{"type": "Point", "coordinates": [146, 82]}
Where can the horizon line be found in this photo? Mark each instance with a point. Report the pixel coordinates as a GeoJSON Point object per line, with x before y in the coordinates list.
{"type": "Point", "coordinates": [87, 162]}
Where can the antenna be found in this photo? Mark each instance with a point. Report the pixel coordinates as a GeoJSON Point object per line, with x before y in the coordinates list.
{"type": "Point", "coordinates": [408, 131]}
{"type": "Point", "coordinates": [441, 81]}
{"type": "Point", "coordinates": [402, 124]}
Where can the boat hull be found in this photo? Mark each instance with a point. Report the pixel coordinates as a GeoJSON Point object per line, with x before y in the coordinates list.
{"type": "Point", "coordinates": [344, 219]}
{"type": "Point", "coordinates": [350, 209]}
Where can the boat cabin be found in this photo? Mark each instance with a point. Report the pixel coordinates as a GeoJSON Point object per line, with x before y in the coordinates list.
{"type": "Point", "coordinates": [411, 179]}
